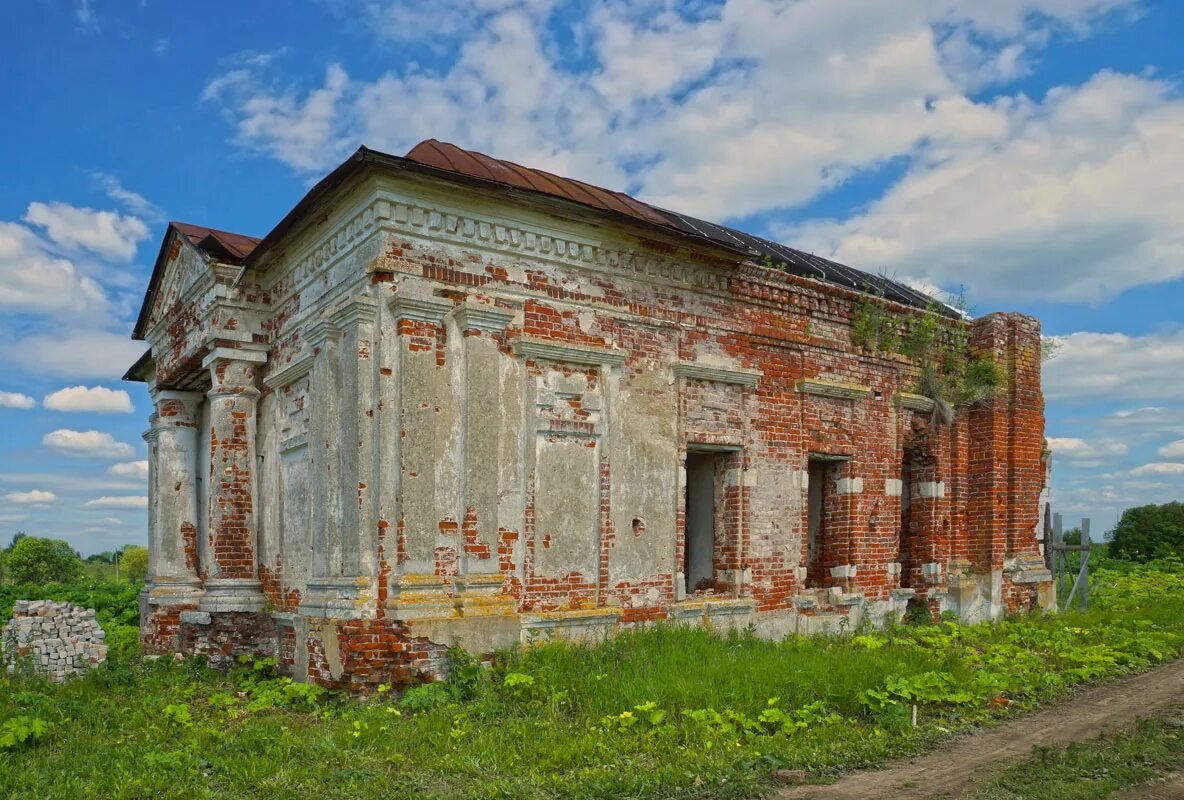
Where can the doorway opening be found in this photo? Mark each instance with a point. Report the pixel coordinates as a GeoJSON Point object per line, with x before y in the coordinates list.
{"type": "Point", "coordinates": [704, 473]}
{"type": "Point", "coordinates": [905, 548]}
{"type": "Point", "coordinates": [816, 521]}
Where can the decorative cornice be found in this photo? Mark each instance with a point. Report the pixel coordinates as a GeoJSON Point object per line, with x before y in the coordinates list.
{"type": "Point", "coordinates": [833, 389]}
{"type": "Point", "coordinates": [915, 402]}
{"type": "Point", "coordinates": [706, 372]}
{"type": "Point", "coordinates": [355, 312]}
{"type": "Point", "coordinates": [296, 369]}
{"type": "Point", "coordinates": [488, 319]}
{"type": "Point", "coordinates": [394, 214]}
{"type": "Point", "coordinates": [420, 309]}
{"type": "Point", "coordinates": [546, 350]}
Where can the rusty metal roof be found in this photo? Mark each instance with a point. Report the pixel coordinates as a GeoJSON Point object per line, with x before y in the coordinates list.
{"type": "Point", "coordinates": [236, 246]}
{"type": "Point", "coordinates": [449, 157]}
{"type": "Point", "coordinates": [444, 160]}
{"type": "Point", "coordinates": [442, 155]}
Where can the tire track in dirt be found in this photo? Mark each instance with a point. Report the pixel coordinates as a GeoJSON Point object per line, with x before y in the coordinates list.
{"type": "Point", "coordinates": [970, 760]}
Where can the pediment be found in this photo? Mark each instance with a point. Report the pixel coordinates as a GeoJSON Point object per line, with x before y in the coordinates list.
{"type": "Point", "coordinates": [183, 266]}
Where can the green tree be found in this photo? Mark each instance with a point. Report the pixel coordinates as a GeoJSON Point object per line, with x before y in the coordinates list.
{"type": "Point", "coordinates": [133, 563]}
{"type": "Point", "coordinates": [1149, 532]}
{"type": "Point", "coordinates": [36, 560]}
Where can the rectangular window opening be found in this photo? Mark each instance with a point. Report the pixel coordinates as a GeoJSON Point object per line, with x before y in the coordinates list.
{"type": "Point", "coordinates": [704, 471]}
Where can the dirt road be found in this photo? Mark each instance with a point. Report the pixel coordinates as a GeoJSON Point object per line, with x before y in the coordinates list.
{"type": "Point", "coordinates": [968, 761]}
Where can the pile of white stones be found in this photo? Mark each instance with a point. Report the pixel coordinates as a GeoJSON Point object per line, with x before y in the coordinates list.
{"type": "Point", "coordinates": [57, 639]}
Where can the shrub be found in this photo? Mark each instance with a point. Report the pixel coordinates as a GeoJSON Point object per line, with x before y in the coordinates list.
{"type": "Point", "coordinates": [37, 560]}
{"type": "Point", "coordinates": [1148, 532]}
{"type": "Point", "coordinates": [134, 563]}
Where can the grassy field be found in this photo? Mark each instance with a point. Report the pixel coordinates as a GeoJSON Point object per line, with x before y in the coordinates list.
{"type": "Point", "coordinates": [655, 713]}
{"type": "Point", "coordinates": [1096, 769]}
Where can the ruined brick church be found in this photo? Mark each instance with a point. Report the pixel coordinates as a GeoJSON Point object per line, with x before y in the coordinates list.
{"type": "Point", "coordinates": [450, 399]}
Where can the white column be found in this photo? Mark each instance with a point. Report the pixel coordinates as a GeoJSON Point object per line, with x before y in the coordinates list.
{"type": "Point", "coordinates": [173, 513]}
{"type": "Point", "coordinates": [233, 582]}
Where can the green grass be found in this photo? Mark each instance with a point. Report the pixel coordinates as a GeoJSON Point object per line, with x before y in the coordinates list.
{"type": "Point", "coordinates": [660, 712]}
{"type": "Point", "coordinates": [1095, 769]}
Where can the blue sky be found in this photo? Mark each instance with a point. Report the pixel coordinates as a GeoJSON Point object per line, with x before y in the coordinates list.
{"type": "Point", "coordinates": [1030, 151]}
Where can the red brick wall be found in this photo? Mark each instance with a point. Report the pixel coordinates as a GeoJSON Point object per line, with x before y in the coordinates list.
{"type": "Point", "coordinates": [791, 328]}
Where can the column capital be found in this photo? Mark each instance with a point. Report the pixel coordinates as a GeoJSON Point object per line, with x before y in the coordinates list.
{"type": "Point", "coordinates": [319, 331]}
{"type": "Point", "coordinates": [354, 313]}
{"type": "Point", "coordinates": [484, 318]}
{"type": "Point", "coordinates": [226, 354]}
{"type": "Point", "coordinates": [420, 309]}
{"type": "Point", "coordinates": [175, 409]}
{"type": "Point", "coordinates": [232, 371]}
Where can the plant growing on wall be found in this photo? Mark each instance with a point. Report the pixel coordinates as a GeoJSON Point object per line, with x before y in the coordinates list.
{"type": "Point", "coordinates": [939, 347]}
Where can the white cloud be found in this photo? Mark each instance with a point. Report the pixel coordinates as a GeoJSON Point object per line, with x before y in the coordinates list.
{"type": "Point", "coordinates": [86, 444]}
{"type": "Point", "coordinates": [84, 15]}
{"type": "Point", "coordinates": [35, 497]}
{"type": "Point", "coordinates": [1172, 449]}
{"type": "Point", "coordinates": [1143, 424]}
{"type": "Point", "coordinates": [129, 469]}
{"type": "Point", "coordinates": [16, 400]}
{"type": "Point", "coordinates": [107, 233]}
{"type": "Point", "coordinates": [134, 202]}
{"type": "Point", "coordinates": [1159, 468]}
{"type": "Point", "coordinates": [132, 501]}
{"type": "Point", "coordinates": [98, 399]}
{"type": "Point", "coordinates": [78, 353]}
{"type": "Point", "coordinates": [33, 279]}
{"type": "Point", "coordinates": [1145, 367]}
{"type": "Point", "coordinates": [69, 484]}
{"type": "Point", "coordinates": [1086, 453]}
{"type": "Point", "coordinates": [301, 132]}
{"type": "Point", "coordinates": [1086, 177]}
{"type": "Point", "coordinates": [721, 110]}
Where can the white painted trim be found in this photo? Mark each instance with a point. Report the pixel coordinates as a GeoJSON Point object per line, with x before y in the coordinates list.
{"type": "Point", "coordinates": [915, 402]}
{"type": "Point", "coordinates": [542, 349]}
{"type": "Point", "coordinates": [833, 389]}
{"type": "Point", "coordinates": [707, 372]}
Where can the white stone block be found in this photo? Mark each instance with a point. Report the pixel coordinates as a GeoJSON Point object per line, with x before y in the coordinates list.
{"type": "Point", "coordinates": [843, 571]}
{"type": "Point", "coordinates": [931, 489]}
{"type": "Point", "coordinates": [849, 485]}
{"type": "Point", "coordinates": [893, 487]}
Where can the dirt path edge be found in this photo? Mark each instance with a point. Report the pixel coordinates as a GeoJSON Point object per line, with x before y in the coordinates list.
{"type": "Point", "coordinates": [967, 761]}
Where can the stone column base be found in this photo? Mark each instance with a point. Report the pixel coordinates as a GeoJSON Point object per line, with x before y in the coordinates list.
{"type": "Point", "coordinates": [336, 598]}
{"type": "Point", "coordinates": [161, 607]}
{"type": "Point", "coordinates": [233, 594]}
